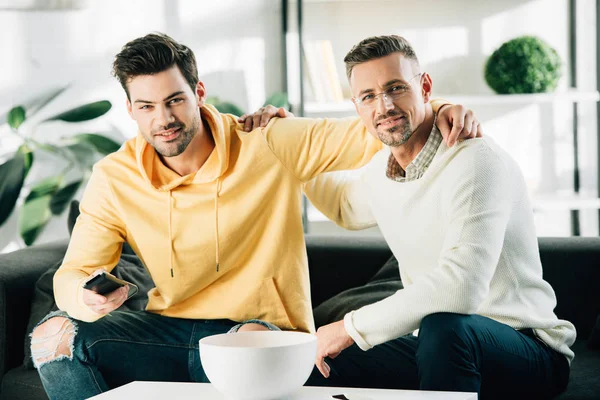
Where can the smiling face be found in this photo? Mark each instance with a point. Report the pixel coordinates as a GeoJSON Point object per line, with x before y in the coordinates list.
{"type": "Point", "coordinates": [166, 109]}
{"type": "Point", "coordinates": [395, 116]}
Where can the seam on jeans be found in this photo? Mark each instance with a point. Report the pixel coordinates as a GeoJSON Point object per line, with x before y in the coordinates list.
{"type": "Point", "coordinates": [191, 352]}
{"type": "Point", "coordinates": [183, 346]}
{"type": "Point", "coordinates": [94, 378]}
{"type": "Point", "coordinates": [28, 385]}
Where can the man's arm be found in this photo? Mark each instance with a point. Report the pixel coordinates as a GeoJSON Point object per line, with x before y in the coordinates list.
{"type": "Point", "coordinates": [96, 243]}
{"type": "Point", "coordinates": [309, 147]}
{"type": "Point", "coordinates": [479, 212]}
{"type": "Point", "coordinates": [341, 197]}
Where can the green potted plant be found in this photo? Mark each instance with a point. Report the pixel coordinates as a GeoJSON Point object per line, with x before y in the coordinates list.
{"type": "Point", "coordinates": [526, 64]}
{"type": "Point", "coordinates": [49, 196]}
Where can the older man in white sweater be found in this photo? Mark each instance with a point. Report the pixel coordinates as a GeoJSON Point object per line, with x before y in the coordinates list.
{"type": "Point", "coordinates": [475, 314]}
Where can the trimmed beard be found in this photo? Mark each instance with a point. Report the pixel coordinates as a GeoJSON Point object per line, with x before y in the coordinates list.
{"type": "Point", "coordinates": [185, 137]}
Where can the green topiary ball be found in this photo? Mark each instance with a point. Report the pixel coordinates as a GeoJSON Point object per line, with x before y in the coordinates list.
{"type": "Point", "coordinates": [525, 64]}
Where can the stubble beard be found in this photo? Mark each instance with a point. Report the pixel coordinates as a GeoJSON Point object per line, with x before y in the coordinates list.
{"type": "Point", "coordinates": [178, 146]}
{"type": "Point", "coordinates": [397, 135]}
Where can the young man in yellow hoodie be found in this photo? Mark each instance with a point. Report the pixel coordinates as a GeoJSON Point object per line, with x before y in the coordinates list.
{"type": "Point", "coordinates": [214, 213]}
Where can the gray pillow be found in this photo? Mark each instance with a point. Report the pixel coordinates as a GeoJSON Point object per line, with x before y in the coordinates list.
{"type": "Point", "coordinates": [129, 268]}
{"type": "Point", "coordinates": [383, 284]}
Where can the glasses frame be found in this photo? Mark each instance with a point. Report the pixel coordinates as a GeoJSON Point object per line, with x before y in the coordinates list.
{"type": "Point", "coordinates": [384, 95]}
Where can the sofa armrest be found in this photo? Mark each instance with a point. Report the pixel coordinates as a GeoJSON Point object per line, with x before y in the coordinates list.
{"type": "Point", "coordinates": [19, 272]}
{"type": "Point", "coordinates": [337, 263]}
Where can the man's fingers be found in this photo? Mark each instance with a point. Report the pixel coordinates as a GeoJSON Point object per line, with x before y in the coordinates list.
{"type": "Point", "coordinates": [479, 131]}
{"type": "Point", "coordinates": [266, 117]}
{"type": "Point", "coordinates": [327, 369]}
{"type": "Point", "coordinates": [256, 118]}
{"type": "Point", "coordinates": [467, 125]}
{"type": "Point", "coordinates": [242, 118]}
{"type": "Point", "coordinates": [454, 133]}
{"type": "Point", "coordinates": [248, 124]}
{"type": "Point", "coordinates": [474, 129]}
{"type": "Point", "coordinates": [90, 297]}
{"type": "Point", "coordinates": [118, 297]}
{"type": "Point", "coordinates": [323, 367]}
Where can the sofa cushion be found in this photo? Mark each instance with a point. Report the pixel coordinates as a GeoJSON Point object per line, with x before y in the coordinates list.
{"type": "Point", "coordinates": [594, 341]}
{"type": "Point", "coordinates": [383, 284]}
{"type": "Point", "coordinates": [22, 383]}
{"type": "Point", "coordinates": [584, 379]}
{"type": "Point", "coordinates": [129, 268]}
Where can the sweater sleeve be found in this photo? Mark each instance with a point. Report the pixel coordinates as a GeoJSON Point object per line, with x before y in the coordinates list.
{"type": "Point", "coordinates": [479, 208]}
{"type": "Point", "coordinates": [342, 197]}
{"type": "Point", "coordinates": [96, 242]}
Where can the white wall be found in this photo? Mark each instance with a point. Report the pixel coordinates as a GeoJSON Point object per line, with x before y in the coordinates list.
{"type": "Point", "coordinates": [237, 45]}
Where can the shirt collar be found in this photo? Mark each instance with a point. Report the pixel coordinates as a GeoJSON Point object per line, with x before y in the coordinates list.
{"type": "Point", "coordinates": [419, 165]}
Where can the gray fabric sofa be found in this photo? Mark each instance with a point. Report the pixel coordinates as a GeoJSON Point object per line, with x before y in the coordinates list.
{"type": "Point", "coordinates": [571, 266]}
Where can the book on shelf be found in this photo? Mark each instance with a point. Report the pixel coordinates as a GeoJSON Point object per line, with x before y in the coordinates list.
{"type": "Point", "coordinates": [321, 76]}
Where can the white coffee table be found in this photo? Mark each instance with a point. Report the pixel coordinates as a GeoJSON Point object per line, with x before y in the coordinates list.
{"type": "Point", "coordinates": [202, 391]}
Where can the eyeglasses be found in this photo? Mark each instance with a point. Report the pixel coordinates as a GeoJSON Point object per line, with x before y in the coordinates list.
{"type": "Point", "coordinates": [394, 92]}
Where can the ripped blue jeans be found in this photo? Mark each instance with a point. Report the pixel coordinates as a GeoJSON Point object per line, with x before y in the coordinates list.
{"type": "Point", "coordinates": [126, 346]}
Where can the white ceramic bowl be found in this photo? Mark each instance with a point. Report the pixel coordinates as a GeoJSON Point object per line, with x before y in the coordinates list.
{"type": "Point", "coordinates": [261, 365]}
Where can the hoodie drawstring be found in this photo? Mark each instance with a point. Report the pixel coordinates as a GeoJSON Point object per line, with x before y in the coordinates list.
{"type": "Point", "coordinates": [217, 221]}
{"type": "Point", "coordinates": [170, 234]}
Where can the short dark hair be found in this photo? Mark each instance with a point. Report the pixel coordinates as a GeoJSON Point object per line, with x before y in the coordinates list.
{"type": "Point", "coordinates": [376, 47]}
{"type": "Point", "coordinates": [151, 54]}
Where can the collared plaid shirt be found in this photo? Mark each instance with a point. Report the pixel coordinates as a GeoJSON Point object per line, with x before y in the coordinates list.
{"type": "Point", "coordinates": [419, 165]}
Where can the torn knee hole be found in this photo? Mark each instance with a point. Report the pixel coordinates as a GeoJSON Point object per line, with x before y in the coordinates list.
{"type": "Point", "coordinates": [52, 340]}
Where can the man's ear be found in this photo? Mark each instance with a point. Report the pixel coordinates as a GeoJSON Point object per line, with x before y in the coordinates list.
{"type": "Point", "coordinates": [426, 87]}
{"type": "Point", "coordinates": [129, 108]}
{"type": "Point", "coordinates": [201, 93]}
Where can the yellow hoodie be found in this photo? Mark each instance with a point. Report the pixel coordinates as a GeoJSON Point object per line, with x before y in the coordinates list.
{"type": "Point", "coordinates": [224, 242]}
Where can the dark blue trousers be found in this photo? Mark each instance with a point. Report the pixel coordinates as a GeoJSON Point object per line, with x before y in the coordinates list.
{"type": "Point", "coordinates": [455, 352]}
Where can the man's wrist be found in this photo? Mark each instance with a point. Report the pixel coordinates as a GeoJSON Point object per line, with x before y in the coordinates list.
{"type": "Point", "coordinates": [443, 107]}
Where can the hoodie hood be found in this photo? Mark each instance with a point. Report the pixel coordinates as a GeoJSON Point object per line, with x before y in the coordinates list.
{"type": "Point", "coordinates": [163, 179]}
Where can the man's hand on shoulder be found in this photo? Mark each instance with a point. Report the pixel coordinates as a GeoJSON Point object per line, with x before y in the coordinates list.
{"type": "Point", "coordinates": [457, 123]}
{"type": "Point", "coordinates": [262, 116]}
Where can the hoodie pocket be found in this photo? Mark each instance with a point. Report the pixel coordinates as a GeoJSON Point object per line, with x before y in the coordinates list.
{"type": "Point", "coordinates": [272, 305]}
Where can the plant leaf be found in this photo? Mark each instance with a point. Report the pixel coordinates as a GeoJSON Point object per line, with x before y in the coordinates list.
{"type": "Point", "coordinates": [228, 108]}
{"type": "Point", "coordinates": [34, 216]}
{"type": "Point", "coordinates": [45, 187]}
{"type": "Point", "coordinates": [27, 157]}
{"type": "Point", "coordinates": [35, 212]}
{"type": "Point", "coordinates": [278, 99]}
{"type": "Point", "coordinates": [101, 143]}
{"type": "Point", "coordinates": [84, 113]}
{"type": "Point", "coordinates": [62, 198]}
{"type": "Point", "coordinates": [84, 152]}
{"type": "Point", "coordinates": [12, 176]}
{"type": "Point", "coordinates": [16, 116]}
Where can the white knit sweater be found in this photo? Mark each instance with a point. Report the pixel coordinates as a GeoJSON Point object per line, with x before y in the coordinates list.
{"type": "Point", "coordinates": [464, 238]}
